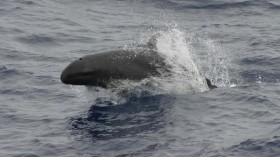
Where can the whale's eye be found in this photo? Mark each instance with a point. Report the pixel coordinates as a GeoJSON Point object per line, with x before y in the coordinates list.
{"type": "Point", "coordinates": [80, 59]}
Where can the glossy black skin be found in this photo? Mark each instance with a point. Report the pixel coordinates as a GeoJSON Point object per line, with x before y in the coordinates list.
{"type": "Point", "coordinates": [102, 68]}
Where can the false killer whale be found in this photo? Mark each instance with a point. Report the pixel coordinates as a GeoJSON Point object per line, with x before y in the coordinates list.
{"type": "Point", "coordinates": [101, 69]}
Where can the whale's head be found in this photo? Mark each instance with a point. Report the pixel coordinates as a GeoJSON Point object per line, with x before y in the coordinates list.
{"type": "Point", "coordinates": [76, 73]}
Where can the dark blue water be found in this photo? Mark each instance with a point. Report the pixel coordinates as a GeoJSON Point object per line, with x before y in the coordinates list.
{"type": "Point", "coordinates": [235, 43]}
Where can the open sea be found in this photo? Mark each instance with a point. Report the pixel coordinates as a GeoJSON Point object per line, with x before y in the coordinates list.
{"type": "Point", "coordinates": [235, 43]}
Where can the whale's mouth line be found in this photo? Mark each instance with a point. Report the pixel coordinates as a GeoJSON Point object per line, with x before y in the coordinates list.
{"type": "Point", "coordinates": [107, 80]}
{"type": "Point", "coordinates": [85, 79]}
{"type": "Point", "coordinates": [89, 79]}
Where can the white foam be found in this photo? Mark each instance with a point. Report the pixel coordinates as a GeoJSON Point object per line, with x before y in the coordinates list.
{"type": "Point", "coordinates": [214, 62]}
{"type": "Point", "coordinates": [185, 76]}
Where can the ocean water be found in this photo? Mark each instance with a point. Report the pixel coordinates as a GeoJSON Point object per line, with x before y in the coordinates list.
{"type": "Point", "coordinates": [235, 43]}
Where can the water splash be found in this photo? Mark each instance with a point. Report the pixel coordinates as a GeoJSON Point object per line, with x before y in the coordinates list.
{"type": "Point", "coordinates": [218, 64]}
{"type": "Point", "coordinates": [185, 76]}
{"type": "Point", "coordinates": [212, 61]}
{"type": "Point", "coordinates": [91, 94]}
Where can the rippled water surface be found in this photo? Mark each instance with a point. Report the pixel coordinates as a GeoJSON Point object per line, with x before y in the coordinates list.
{"type": "Point", "coordinates": [235, 43]}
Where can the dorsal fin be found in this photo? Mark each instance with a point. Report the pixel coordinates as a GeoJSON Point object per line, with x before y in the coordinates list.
{"type": "Point", "coordinates": [210, 84]}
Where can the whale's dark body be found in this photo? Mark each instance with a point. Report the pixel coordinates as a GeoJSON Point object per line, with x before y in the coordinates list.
{"type": "Point", "coordinates": [102, 68]}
